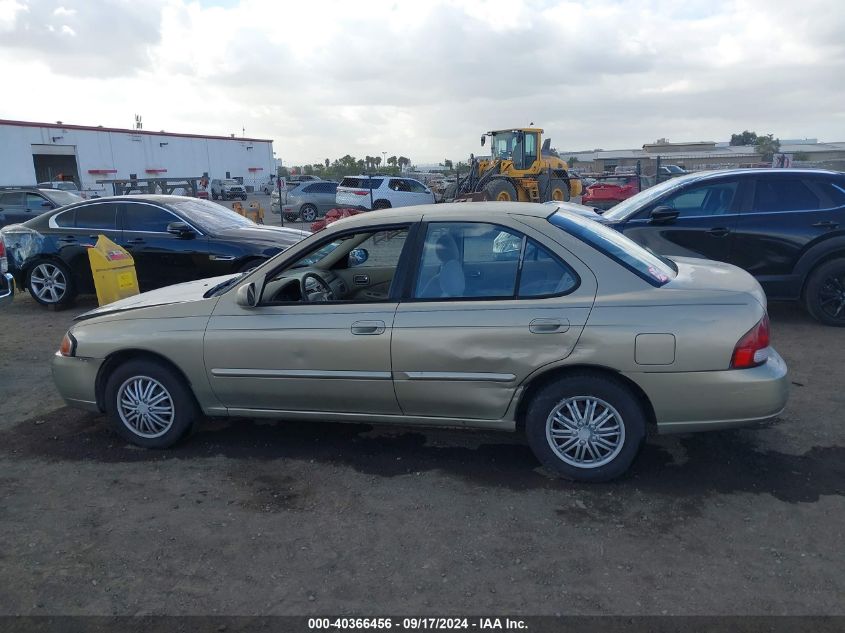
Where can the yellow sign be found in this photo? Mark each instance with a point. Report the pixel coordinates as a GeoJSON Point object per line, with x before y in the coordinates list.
{"type": "Point", "coordinates": [113, 270]}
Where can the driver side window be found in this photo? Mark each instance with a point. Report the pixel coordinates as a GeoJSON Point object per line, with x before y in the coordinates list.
{"type": "Point", "coordinates": [703, 200]}
{"type": "Point", "coordinates": [358, 267]}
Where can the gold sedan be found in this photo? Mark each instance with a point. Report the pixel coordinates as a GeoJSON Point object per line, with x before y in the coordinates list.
{"type": "Point", "coordinates": [507, 316]}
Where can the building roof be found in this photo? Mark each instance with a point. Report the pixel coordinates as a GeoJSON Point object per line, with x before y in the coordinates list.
{"type": "Point", "coordinates": [719, 151]}
{"type": "Point", "coordinates": [99, 128]}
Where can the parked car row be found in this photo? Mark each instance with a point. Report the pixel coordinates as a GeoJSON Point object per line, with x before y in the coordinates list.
{"type": "Point", "coordinates": [171, 238]}
{"type": "Point", "coordinates": [308, 201]}
{"type": "Point", "coordinates": [19, 204]}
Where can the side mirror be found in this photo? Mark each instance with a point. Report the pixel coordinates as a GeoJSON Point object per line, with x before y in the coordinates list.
{"type": "Point", "coordinates": [247, 296]}
{"type": "Point", "coordinates": [181, 229]}
{"type": "Point", "coordinates": [47, 205]}
{"type": "Point", "coordinates": [483, 140]}
{"type": "Point", "coordinates": [358, 256]}
{"type": "Point", "coordinates": [663, 215]}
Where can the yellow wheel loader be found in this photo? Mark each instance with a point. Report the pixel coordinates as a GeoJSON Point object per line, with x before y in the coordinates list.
{"type": "Point", "coordinates": [520, 167]}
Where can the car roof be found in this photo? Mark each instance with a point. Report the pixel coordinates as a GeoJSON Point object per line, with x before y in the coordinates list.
{"type": "Point", "coordinates": [758, 170]}
{"type": "Point", "coordinates": [470, 211]}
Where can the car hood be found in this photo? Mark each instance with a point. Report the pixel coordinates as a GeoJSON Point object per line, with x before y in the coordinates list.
{"type": "Point", "coordinates": [179, 293]}
{"type": "Point", "coordinates": [276, 235]}
{"type": "Point", "coordinates": [706, 274]}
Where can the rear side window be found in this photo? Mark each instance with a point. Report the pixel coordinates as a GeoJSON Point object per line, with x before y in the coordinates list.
{"type": "Point", "coordinates": [146, 218]}
{"type": "Point", "coordinates": [11, 199]}
{"type": "Point", "coordinates": [97, 216]}
{"type": "Point", "coordinates": [835, 192]}
{"type": "Point", "coordinates": [311, 189]}
{"type": "Point", "coordinates": [543, 274]}
{"type": "Point", "coordinates": [784, 194]}
{"type": "Point", "coordinates": [66, 220]}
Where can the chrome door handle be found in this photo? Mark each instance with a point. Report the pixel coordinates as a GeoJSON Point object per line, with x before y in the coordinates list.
{"type": "Point", "coordinates": [548, 326]}
{"type": "Point", "coordinates": [718, 232]}
{"type": "Point", "coordinates": [367, 327]}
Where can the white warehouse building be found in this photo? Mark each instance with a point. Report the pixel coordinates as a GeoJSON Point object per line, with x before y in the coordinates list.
{"type": "Point", "coordinates": [38, 152]}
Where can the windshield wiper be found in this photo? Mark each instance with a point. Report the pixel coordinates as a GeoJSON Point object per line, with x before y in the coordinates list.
{"type": "Point", "coordinates": [223, 285]}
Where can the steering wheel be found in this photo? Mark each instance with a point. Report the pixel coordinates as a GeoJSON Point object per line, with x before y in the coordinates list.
{"type": "Point", "coordinates": [315, 289]}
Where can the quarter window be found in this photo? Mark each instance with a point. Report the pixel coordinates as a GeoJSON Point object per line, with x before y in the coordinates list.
{"type": "Point", "coordinates": [146, 218]}
{"type": "Point", "coordinates": [543, 274]}
{"type": "Point", "coordinates": [66, 219]}
{"type": "Point", "coordinates": [34, 202]}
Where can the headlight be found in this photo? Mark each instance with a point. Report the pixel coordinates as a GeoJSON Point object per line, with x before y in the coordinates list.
{"type": "Point", "coordinates": [68, 346]}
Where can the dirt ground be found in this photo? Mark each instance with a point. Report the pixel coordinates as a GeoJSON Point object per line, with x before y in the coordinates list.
{"type": "Point", "coordinates": [288, 518]}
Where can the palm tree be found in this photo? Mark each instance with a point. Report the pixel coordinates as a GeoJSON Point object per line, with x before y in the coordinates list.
{"type": "Point", "coordinates": [392, 161]}
{"type": "Point", "coordinates": [377, 161]}
{"type": "Point", "coordinates": [403, 162]}
{"type": "Point", "coordinates": [328, 162]}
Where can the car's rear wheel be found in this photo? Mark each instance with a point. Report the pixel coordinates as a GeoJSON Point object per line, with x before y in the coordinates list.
{"type": "Point", "coordinates": [149, 404]}
{"type": "Point", "coordinates": [382, 204]}
{"type": "Point", "coordinates": [51, 284]}
{"type": "Point", "coordinates": [585, 427]}
{"type": "Point", "coordinates": [213, 195]}
{"type": "Point", "coordinates": [308, 213]}
{"type": "Point", "coordinates": [824, 294]}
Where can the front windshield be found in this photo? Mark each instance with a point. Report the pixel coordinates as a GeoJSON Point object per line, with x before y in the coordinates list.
{"type": "Point", "coordinates": [654, 269]}
{"type": "Point", "coordinates": [316, 256]}
{"type": "Point", "coordinates": [209, 216]}
{"type": "Point", "coordinates": [644, 198]}
{"type": "Point", "coordinates": [62, 198]}
{"type": "Point", "coordinates": [502, 144]}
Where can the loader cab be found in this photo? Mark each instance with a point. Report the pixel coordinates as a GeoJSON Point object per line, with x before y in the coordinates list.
{"type": "Point", "coordinates": [520, 146]}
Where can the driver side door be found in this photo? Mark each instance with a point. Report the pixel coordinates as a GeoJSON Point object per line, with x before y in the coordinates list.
{"type": "Point", "coordinates": [323, 357]}
{"type": "Point", "coordinates": [705, 224]}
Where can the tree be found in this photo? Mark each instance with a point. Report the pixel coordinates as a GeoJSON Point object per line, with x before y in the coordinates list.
{"type": "Point", "coordinates": [392, 161]}
{"type": "Point", "coordinates": [377, 161]}
{"type": "Point", "coordinates": [282, 172]}
{"type": "Point", "coordinates": [448, 164]}
{"type": "Point", "coordinates": [403, 162]}
{"type": "Point", "coordinates": [308, 170]}
{"type": "Point", "coordinates": [328, 162]}
{"type": "Point", "coordinates": [767, 146]}
{"type": "Point", "coordinates": [745, 138]}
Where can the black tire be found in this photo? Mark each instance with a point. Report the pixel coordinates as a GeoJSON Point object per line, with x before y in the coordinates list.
{"type": "Point", "coordinates": [381, 204]}
{"type": "Point", "coordinates": [213, 195]}
{"type": "Point", "coordinates": [500, 190]}
{"type": "Point", "coordinates": [179, 399]}
{"type": "Point", "coordinates": [243, 197]}
{"type": "Point", "coordinates": [51, 283]}
{"type": "Point", "coordinates": [308, 213]}
{"type": "Point", "coordinates": [559, 190]}
{"type": "Point", "coordinates": [626, 414]}
{"type": "Point", "coordinates": [824, 293]}
{"type": "Point", "coordinates": [290, 217]}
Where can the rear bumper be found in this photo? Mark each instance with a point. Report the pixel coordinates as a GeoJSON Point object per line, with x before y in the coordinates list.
{"type": "Point", "coordinates": [7, 289]}
{"type": "Point", "coordinates": [76, 379]}
{"type": "Point", "coordinates": [710, 400]}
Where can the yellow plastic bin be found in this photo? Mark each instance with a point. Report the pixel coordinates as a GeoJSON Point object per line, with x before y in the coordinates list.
{"type": "Point", "coordinates": [114, 271]}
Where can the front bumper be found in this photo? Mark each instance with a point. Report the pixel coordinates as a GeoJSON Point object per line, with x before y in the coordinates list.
{"type": "Point", "coordinates": [710, 400]}
{"type": "Point", "coordinates": [7, 289]}
{"type": "Point", "coordinates": [76, 379]}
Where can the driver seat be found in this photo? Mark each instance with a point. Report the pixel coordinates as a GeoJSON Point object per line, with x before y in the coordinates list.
{"type": "Point", "coordinates": [450, 280]}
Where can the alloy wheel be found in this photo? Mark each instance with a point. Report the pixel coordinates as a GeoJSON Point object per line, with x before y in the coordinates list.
{"type": "Point", "coordinates": [145, 407]}
{"type": "Point", "coordinates": [832, 296]}
{"type": "Point", "coordinates": [48, 282]}
{"type": "Point", "coordinates": [585, 432]}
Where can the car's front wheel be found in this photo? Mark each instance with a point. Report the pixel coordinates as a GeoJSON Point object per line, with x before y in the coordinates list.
{"type": "Point", "coordinates": [149, 404]}
{"type": "Point", "coordinates": [824, 294]}
{"type": "Point", "coordinates": [51, 284]}
{"type": "Point", "coordinates": [585, 427]}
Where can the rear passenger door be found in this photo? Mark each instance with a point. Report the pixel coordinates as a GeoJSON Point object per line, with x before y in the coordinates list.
{"type": "Point", "coordinates": [79, 228]}
{"type": "Point", "coordinates": [786, 212]}
{"type": "Point", "coordinates": [12, 208]}
{"type": "Point", "coordinates": [488, 305]}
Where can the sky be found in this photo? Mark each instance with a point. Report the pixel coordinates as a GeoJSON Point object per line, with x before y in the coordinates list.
{"type": "Point", "coordinates": [425, 78]}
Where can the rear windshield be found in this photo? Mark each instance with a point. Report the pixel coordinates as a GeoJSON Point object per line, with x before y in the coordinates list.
{"type": "Point", "coordinates": [654, 269]}
{"type": "Point", "coordinates": [361, 183]}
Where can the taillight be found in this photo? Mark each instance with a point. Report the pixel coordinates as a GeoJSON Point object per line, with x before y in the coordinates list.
{"type": "Point", "coordinates": [753, 348]}
{"type": "Point", "coordinates": [361, 193]}
{"type": "Point", "coordinates": [4, 263]}
{"type": "Point", "coordinates": [68, 346]}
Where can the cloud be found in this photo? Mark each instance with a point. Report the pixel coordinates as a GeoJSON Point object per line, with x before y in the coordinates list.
{"type": "Point", "coordinates": [425, 79]}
